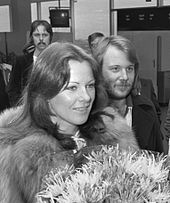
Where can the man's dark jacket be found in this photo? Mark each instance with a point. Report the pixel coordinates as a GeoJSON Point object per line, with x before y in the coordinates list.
{"type": "Point", "coordinates": [19, 76]}
{"type": "Point", "coordinates": [146, 125]}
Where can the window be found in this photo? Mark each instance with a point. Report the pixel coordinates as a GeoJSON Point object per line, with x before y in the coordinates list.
{"type": "Point", "coordinates": [33, 11]}
{"type": "Point", "coordinates": [5, 19]}
{"type": "Point", "coordinates": [44, 9]}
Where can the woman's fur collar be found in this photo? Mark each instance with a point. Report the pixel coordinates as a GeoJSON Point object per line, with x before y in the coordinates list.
{"type": "Point", "coordinates": [9, 115]}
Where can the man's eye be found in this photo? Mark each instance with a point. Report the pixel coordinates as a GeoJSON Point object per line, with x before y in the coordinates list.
{"type": "Point", "coordinates": [36, 35]}
{"type": "Point", "coordinates": [115, 69]}
{"type": "Point", "coordinates": [130, 68]}
{"type": "Point", "coordinates": [94, 45]}
{"type": "Point", "coordinates": [45, 35]}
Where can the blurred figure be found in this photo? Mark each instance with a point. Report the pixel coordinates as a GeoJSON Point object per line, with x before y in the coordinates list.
{"type": "Point", "coordinates": [40, 37]}
{"type": "Point", "coordinates": [93, 40]}
{"type": "Point", "coordinates": [120, 69]}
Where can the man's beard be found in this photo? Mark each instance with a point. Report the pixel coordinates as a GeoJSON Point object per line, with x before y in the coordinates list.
{"type": "Point", "coordinates": [110, 89]}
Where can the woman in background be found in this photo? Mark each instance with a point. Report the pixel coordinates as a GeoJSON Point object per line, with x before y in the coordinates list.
{"type": "Point", "coordinates": [60, 114]}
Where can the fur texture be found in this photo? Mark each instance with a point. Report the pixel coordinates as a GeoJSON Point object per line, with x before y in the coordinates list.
{"type": "Point", "coordinates": [25, 161]}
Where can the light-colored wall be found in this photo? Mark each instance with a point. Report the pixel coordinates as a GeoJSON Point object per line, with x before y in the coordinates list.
{"type": "Point", "coordinates": [21, 20]}
{"type": "Point", "coordinates": [120, 4]}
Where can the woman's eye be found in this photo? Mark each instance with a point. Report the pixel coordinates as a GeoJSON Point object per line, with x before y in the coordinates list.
{"type": "Point", "coordinates": [92, 85]}
{"type": "Point", "coordinates": [72, 88]}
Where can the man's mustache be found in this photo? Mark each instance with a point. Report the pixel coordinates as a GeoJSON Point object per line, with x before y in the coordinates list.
{"type": "Point", "coordinates": [41, 43]}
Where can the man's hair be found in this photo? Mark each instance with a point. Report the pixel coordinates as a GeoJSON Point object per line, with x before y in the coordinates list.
{"type": "Point", "coordinates": [47, 26]}
{"type": "Point", "coordinates": [124, 45]}
{"type": "Point", "coordinates": [93, 36]}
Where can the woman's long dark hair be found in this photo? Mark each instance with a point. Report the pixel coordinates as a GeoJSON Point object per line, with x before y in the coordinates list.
{"type": "Point", "coordinates": [49, 75]}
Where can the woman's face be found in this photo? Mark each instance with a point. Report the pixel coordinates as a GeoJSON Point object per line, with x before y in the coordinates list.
{"type": "Point", "coordinates": [73, 104]}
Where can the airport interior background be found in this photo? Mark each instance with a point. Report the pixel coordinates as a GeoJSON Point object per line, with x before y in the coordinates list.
{"type": "Point", "coordinates": [74, 20]}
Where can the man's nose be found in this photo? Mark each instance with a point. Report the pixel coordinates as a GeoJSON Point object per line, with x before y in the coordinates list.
{"type": "Point", "coordinates": [124, 74]}
{"type": "Point", "coordinates": [41, 38]}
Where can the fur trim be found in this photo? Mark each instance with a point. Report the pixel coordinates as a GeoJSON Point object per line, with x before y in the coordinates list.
{"type": "Point", "coordinates": [9, 115]}
{"type": "Point", "coordinates": [118, 129]}
{"type": "Point", "coordinates": [25, 162]}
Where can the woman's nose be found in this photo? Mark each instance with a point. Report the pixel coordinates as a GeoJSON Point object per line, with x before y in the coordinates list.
{"type": "Point", "coordinates": [84, 95]}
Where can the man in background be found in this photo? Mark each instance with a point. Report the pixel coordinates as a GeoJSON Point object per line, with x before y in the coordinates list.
{"type": "Point", "coordinates": [93, 40]}
{"type": "Point", "coordinates": [40, 37]}
{"type": "Point", "coordinates": [147, 88]}
{"type": "Point", "coordinates": [119, 65]}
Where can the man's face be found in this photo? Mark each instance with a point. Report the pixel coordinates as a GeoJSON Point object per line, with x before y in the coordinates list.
{"type": "Point", "coordinates": [41, 38]}
{"type": "Point", "coordinates": [118, 72]}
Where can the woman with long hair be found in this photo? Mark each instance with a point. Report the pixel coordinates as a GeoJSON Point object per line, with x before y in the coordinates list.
{"type": "Point", "coordinates": [61, 112]}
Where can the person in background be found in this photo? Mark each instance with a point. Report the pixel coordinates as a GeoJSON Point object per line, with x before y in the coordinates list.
{"type": "Point", "coordinates": [62, 112]}
{"type": "Point", "coordinates": [4, 99]}
{"type": "Point", "coordinates": [93, 40]}
{"type": "Point", "coordinates": [40, 37]}
{"type": "Point", "coordinates": [119, 66]}
{"type": "Point", "coordinates": [147, 88]}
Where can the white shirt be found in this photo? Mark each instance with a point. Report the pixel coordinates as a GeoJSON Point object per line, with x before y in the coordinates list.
{"type": "Point", "coordinates": [128, 116]}
{"type": "Point", "coordinates": [80, 142]}
{"type": "Point", "coordinates": [34, 58]}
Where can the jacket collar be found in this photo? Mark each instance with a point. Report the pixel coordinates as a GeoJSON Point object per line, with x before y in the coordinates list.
{"type": "Point", "coordinates": [140, 100]}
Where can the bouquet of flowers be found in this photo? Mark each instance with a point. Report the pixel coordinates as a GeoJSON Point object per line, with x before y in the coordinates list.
{"type": "Point", "coordinates": [111, 175]}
